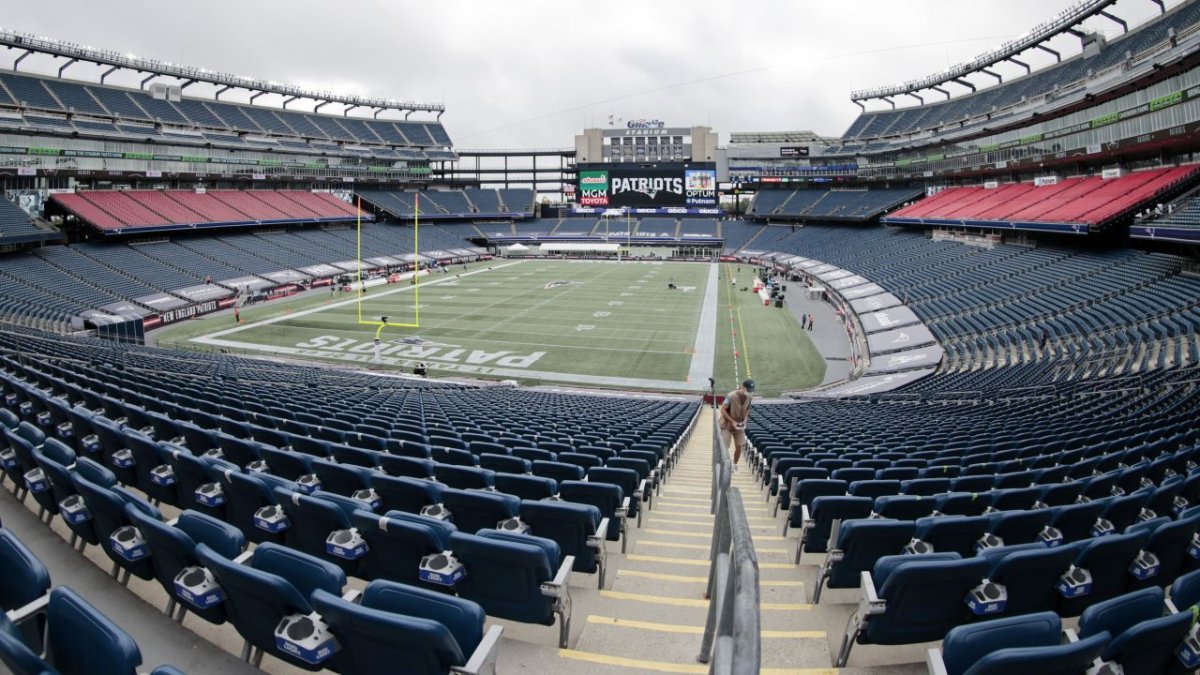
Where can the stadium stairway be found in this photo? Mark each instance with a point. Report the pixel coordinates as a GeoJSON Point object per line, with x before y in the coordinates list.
{"type": "Point", "coordinates": [651, 619]}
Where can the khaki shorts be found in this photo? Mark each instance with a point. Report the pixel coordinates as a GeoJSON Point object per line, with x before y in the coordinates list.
{"type": "Point", "coordinates": [737, 436]}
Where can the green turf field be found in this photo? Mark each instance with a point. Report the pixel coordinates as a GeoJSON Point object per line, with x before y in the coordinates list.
{"type": "Point", "coordinates": [600, 324]}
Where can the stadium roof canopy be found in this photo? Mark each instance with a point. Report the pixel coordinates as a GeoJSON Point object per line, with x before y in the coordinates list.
{"type": "Point", "coordinates": [775, 137]}
{"type": "Point", "coordinates": [189, 75]}
{"type": "Point", "coordinates": [1065, 22]}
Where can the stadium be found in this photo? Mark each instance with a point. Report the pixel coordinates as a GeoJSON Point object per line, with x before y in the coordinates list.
{"type": "Point", "coordinates": [295, 381]}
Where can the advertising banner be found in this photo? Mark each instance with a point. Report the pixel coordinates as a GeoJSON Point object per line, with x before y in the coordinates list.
{"type": "Point", "coordinates": [593, 188]}
{"type": "Point", "coordinates": [701, 187]}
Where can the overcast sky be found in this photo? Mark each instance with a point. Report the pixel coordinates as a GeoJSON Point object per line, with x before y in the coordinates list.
{"type": "Point", "coordinates": [533, 73]}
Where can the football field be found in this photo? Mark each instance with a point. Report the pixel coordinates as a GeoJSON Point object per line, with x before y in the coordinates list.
{"type": "Point", "coordinates": [585, 323]}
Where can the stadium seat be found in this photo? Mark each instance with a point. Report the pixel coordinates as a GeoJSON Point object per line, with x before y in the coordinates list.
{"type": "Point", "coordinates": [429, 632]}
{"type": "Point", "coordinates": [904, 507]}
{"type": "Point", "coordinates": [803, 492]}
{"type": "Point", "coordinates": [1170, 542]}
{"type": "Point", "coordinates": [315, 521]}
{"type": "Point", "coordinates": [516, 577]}
{"type": "Point", "coordinates": [631, 487]}
{"type": "Point", "coordinates": [1031, 643]}
{"type": "Point", "coordinates": [859, 544]}
{"type": "Point", "coordinates": [397, 542]}
{"type": "Point", "coordinates": [1144, 641]}
{"type": "Point", "coordinates": [919, 598]}
{"type": "Point", "coordinates": [245, 495]}
{"type": "Point", "coordinates": [557, 471]}
{"type": "Point", "coordinates": [406, 494]}
{"type": "Point", "coordinates": [411, 467]}
{"type": "Point", "coordinates": [275, 584]}
{"type": "Point", "coordinates": [464, 477]}
{"type": "Point", "coordinates": [1109, 560]}
{"type": "Point", "coordinates": [1029, 573]}
{"type": "Point", "coordinates": [107, 510]}
{"type": "Point", "coordinates": [474, 510]}
{"type": "Point", "coordinates": [957, 534]}
{"type": "Point", "coordinates": [1018, 527]}
{"type": "Point", "coordinates": [79, 640]}
{"type": "Point", "coordinates": [609, 499]}
{"type": "Point", "coordinates": [578, 529]}
{"type": "Point", "coordinates": [25, 579]}
{"type": "Point", "coordinates": [1185, 590]}
{"type": "Point", "coordinates": [62, 489]}
{"type": "Point", "coordinates": [173, 549]}
{"type": "Point", "coordinates": [505, 463]}
{"type": "Point", "coordinates": [525, 486]}
{"type": "Point", "coordinates": [818, 524]}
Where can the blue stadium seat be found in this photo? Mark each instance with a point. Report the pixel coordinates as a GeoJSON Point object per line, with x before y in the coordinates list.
{"type": "Point", "coordinates": [411, 467]}
{"type": "Point", "coordinates": [1185, 591]}
{"type": "Point", "coordinates": [276, 584]}
{"type": "Point", "coordinates": [1031, 643]}
{"type": "Point", "coordinates": [609, 499]}
{"type": "Point", "coordinates": [1018, 527]}
{"type": "Point", "coordinates": [505, 463]}
{"type": "Point", "coordinates": [1029, 573]}
{"type": "Point", "coordinates": [107, 510]}
{"type": "Point", "coordinates": [631, 487]}
{"type": "Point", "coordinates": [313, 522]}
{"type": "Point", "coordinates": [464, 477]}
{"type": "Point", "coordinates": [397, 542]}
{"type": "Point", "coordinates": [859, 544]}
{"type": "Point", "coordinates": [578, 529]}
{"type": "Point", "coordinates": [1144, 641]}
{"type": "Point", "coordinates": [430, 633]}
{"type": "Point", "coordinates": [525, 486]}
{"type": "Point", "coordinates": [25, 579]}
{"type": "Point", "coordinates": [1108, 559]}
{"type": "Point", "coordinates": [516, 577]}
{"type": "Point", "coordinates": [905, 507]}
{"type": "Point", "coordinates": [803, 492]}
{"type": "Point", "coordinates": [473, 510]}
{"type": "Point", "coordinates": [173, 549]}
{"type": "Point", "coordinates": [818, 522]}
{"type": "Point", "coordinates": [79, 640]}
{"type": "Point", "coordinates": [909, 599]}
{"type": "Point", "coordinates": [401, 493]}
{"type": "Point", "coordinates": [957, 534]}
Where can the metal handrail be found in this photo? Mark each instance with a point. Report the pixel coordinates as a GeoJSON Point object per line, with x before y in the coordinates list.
{"type": "Point", "coordinates": [732, 642]}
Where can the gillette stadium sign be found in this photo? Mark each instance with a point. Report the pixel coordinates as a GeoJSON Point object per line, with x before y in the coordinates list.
{"type": "Point", "coordinates": [645, 124]}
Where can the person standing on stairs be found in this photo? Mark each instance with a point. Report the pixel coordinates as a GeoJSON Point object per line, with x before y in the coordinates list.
{"type": "Point", "coordinates": [734, 413]}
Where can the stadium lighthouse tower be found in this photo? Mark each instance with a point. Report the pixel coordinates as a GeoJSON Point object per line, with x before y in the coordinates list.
{"type": "Point", "coordinates": [645, 167]}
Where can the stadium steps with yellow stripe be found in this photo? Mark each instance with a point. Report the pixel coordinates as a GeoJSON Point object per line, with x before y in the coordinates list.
{"type": "Point", "coordinates": [651, 617]}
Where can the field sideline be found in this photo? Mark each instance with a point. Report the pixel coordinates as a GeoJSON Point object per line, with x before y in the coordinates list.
{"type": "Point", "coordinates": [587, 323]}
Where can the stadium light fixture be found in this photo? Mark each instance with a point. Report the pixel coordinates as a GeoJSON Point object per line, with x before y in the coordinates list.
{"type": "Point", "coordinates": [131, 61]}
{"type": "Point", "coordinates": [1063, 22]}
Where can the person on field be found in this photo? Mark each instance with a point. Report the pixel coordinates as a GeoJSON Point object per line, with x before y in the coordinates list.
{"type": "Point", "coordinates": [734, 413]}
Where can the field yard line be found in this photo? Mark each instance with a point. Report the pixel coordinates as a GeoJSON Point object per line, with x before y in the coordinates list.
{"type": "Point", "coordinates": [323, 308]}
{"type": "Point", "coordinates": [515, 315]}
{"type": "Point", "coordinates": [706, 333]}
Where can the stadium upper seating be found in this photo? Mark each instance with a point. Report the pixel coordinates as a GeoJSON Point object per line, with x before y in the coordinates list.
{"type": "Point", "coordinates": [452, 204]}
{"type": "Point", "coordinates": [1055, 313]}
{"type": "Point", "coordinates": [116, 212]}
{"type": "Point", "coordinates": [16, 227]}
{"type": "Point", "coordinates": [1091, 201]}
{"type": "Point", "coordinates": [90, 109]}
{"type": "Point", "coordinates": [997, 102]}
{"type": "Point", "coordinates": [856, 205]}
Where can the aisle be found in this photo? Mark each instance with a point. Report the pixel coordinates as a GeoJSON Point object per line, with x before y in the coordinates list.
{"type": "Point", "coordinates": [651, 619]}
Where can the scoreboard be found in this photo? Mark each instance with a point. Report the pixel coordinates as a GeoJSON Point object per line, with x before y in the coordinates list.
{"type": "Point", "coordinates": [657, 186]}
